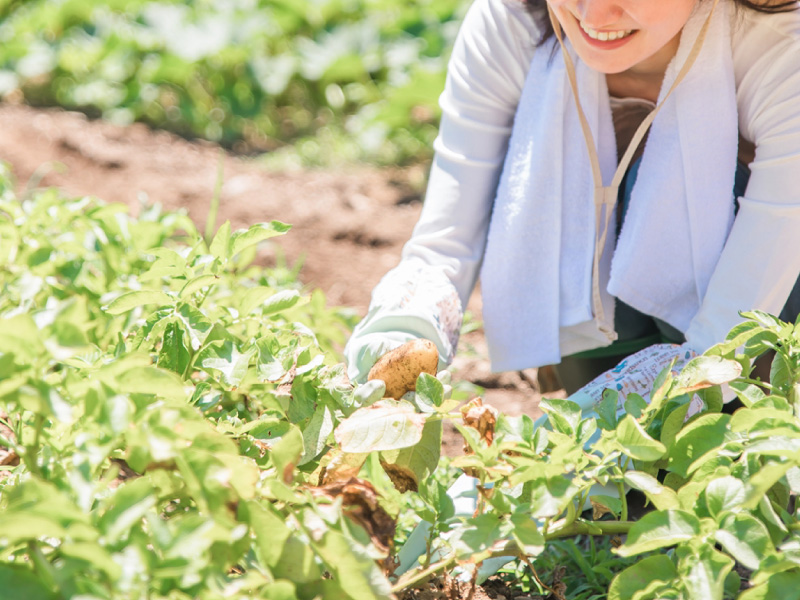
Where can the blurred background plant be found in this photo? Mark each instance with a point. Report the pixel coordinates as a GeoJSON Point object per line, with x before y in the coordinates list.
{"type": "Point", "coordinates": [305, 81]}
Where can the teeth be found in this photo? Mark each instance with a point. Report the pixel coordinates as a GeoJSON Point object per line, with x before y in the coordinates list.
{"type": "Point", "coordinates": [605, 36]}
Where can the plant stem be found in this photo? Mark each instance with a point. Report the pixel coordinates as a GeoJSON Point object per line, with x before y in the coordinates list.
{"type": "Point", "coordinates": [511, 548]}
{"type": "Point", "coordinates": [411, 579]}
{"type": "Point", "coordinates": [584, 528]}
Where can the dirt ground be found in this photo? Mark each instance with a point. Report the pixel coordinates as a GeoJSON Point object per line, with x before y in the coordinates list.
{"type": "Point", "coordinates": [349, 225]}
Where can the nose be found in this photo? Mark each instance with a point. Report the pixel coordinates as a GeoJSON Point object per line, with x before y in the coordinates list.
{"type": "Point", "coordinates": [598, 13]}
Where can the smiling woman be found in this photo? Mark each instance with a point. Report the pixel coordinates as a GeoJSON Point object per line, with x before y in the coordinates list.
{"type": "Point", "coordinates": [633, 186]}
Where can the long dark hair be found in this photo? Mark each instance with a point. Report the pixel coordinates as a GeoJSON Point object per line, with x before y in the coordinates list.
{"type": "Point", "coordinates": [539, 9]}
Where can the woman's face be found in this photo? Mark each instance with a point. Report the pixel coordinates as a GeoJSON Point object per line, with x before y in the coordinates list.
{"type": "Point", "coordinates": [613, 36]}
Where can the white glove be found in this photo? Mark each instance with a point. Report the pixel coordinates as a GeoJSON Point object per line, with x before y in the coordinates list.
{"type": "Point", "coordinates": [635, 374]}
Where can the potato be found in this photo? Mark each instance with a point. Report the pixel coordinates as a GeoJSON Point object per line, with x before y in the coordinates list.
{"type": "Point", "coordinates": [400, 367]}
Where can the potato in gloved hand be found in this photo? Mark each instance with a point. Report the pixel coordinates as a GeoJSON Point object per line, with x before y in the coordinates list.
{"type": "Point", "coordinates": [400, 367]}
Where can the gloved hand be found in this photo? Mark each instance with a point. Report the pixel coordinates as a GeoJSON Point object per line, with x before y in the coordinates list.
{"type": "Point", "coordinates": [365, 351]}
{"type": "Point", "coordinates": [636, 373]}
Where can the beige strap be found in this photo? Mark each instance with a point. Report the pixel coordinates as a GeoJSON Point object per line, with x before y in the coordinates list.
{"type": "Point", "coordinates": [605, 197]}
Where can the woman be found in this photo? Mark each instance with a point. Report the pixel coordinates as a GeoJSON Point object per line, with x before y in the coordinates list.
{"type": "Point", "coordinates": [581, 265]}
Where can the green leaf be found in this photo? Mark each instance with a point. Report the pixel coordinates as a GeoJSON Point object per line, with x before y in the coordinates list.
{"type": "Point", "coordinates": [704, 371]}
{"type": "Point", "coordinates": [660, 495]}
{"type": "Point", "coordinates": [634, 441]}
{"type": "Point", "coordinates": [635, 405]}
{"type": "Point", "coordinates": [223, 359]}
{"type": "Point", "coordinates": [271, 532]}
{"type": "Point", "coordinates": [415, 462]}
{"type": "Point", "coordinates": [527, 535]}
{"type": "Point", "coordinates": [565, 415]}
{"type": "Point", "coordinates": [126, 507]}
{"type": "Point", "coordinates": [151, 380]}
{"type": "Point", "coordinates": [706, 434]}
{"type": "Point", "coordinates": [257, 233]}
{"type": "Point", "coordinates": [780, 585]}
{"type": "Point", "coordinates": [760, 483]}
{"type": "Point", "coordinates": [94, 555]}
{"type": "Point", "coordinates": [196, 324]}
{"type": "Point", "coordinates": [430, 390]}
{"type": "Point", "coordinates": [315, 434]}
{"type": "Point", "coordinates": [606, 409]}
{"type": "Point", "coordinates": [131, 300]}
{"type": "Point", "coordinates": [725, 493]}
{"type": "Point", "coordinates": [386, 425]}
{"type": "Point", "coordinates": [280, 301]}
{"type": "Point", "coordinates": [660, 529]}
{"type": "Point", "coordinates": [746, 539]}
{"type": "Point", "coordinates": [18, 582]}
{"type": "Point", "coordinates": [737, 337]}
{"type": "Point", "coordinates": [286, 453]}
{"type": "Point", "coordinates": [220, 245]}
{"type": "Point", "coordinates": [196, 284]}
{"type": "Point", "coordinates": [647, 575]}
{"type": "Point", "coordinates": [361, 576]}
{"type": "Point", "coordinates": [174, 355]}
{"type": "Point", "coordinates": [707, 570]}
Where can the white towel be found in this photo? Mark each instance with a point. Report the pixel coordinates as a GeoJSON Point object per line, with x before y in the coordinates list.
{"type": "Point", "coordinates": [536, 275]}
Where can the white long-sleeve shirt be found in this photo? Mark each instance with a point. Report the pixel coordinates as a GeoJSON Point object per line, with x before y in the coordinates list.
{"type": "Point", "coordinates": [761, 259]}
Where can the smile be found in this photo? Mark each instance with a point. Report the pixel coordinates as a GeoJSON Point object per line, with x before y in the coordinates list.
{"type": "Point", "coordinates": [605, 36]}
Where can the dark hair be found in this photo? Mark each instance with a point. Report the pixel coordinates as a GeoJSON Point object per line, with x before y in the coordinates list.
{"type": "Point", "coordinates": [539, 10]}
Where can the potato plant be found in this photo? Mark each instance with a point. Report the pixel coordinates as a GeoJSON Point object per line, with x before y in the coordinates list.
{"type": "Point", "coordinates": [358, 78]}
{"type": "Point", "coordinates": [174, 424]}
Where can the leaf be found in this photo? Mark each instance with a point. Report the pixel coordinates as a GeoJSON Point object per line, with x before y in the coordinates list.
{"type": "Point", "coordinates": [220, 245]}
{"type": "Point", "coordinates": [737, 337]}
{"type": "Point", "coordinates": [224, 359]}
{"type": "Point", "coordinates": [527, 535]}
{"type": "Point", "coordinates": [286, 453]}
{"type": "Point", "coordinates": [361, 576]}
{"type": "Point", "coordinates": [196, 284]}
{"type": "Point", "coordinates": [386, 425]}
{"type": "Point", "coordinates": [255, 234]}
{"type": "Point", "coordinates": [174, 355]}
{"type": "Point", "coordinates": [315, 434]}
{"type": "Point", "coordinates": [746, 539]}
{"type": "Point", "coordinates": [151, 380]}
{"type": "Point", "coordinates": [417, 462]}
{"type": "Point", "coordinates": [19, 582]}
{"type": "Point", "coordinates": [634, 441]}
{"type": "Point", "coordinates": [725, 493]}
{"type": "Point", "coordinates": [696, 439]}
{"type": "Point", "coordinates": [661, 496]}
{"type": "Point", "coordinates": [271, 532]}
{"type": "Point", "coordinates": [197, 325]}
{"type": "Point", "coordinates": [126, 507]}
{"type": "Point", "coordinates": [635, 405]}
{"type": "Point", "coordinates": [131, 300]}
{"type": "Point", "coordinates": [780, 585]}
{"type": "Point", "coordinates": [606, 409]}
{"type": "Point", "coordinates": [704, 371]}
{"type": "Point", "coordinates": [565, 415]}
{"type": "Point", "coordinates": [281, 301]}
{"type": "Point", "coordinates": [706, 574]}
{"type": "Point", "coordinates": [760, 483]}
{"type": "Point", "coordinates": [648, 574]}
{"type": "Point", "coordinates": [660, 529]}
{"type": "Point", "coordinates": [429, 391]}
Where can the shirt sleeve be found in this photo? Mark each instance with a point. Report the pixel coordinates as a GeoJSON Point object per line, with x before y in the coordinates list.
{"type": "Point", "coordinates": [761, 259]}
{"type": "Point", "coordinates": [424, 295]}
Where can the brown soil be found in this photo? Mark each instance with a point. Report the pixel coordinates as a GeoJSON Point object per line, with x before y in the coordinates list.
{"type": "Point", "coordinates": [348, 224]}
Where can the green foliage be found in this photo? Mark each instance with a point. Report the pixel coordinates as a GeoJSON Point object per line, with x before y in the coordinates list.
{"type": "Point", "coordinates": [354, 78]}
{"type": "Point", "coordinates": [174, 424]}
